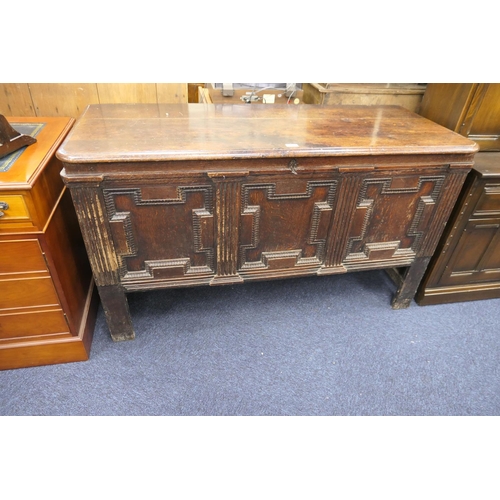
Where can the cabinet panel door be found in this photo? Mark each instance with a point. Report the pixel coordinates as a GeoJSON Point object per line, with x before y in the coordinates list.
{"type": "Point", "coordinates": [476, 258]}
{"type": "Point", "coordinates": [284, 223]}
{"type": "Point", "coordinates": [390, 220]}
{"type": "Point", "coordinates": [162, 231]}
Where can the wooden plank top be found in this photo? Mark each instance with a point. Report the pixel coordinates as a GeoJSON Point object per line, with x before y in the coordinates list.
{"type": "Point", "coordinates": [24, 169]}
{"type": "Point", "coordinates": [166, 132]}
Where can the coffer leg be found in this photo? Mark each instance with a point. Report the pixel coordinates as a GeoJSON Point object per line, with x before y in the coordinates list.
{"type": "Point", "coordinates": [115, 304]}
{"type": "Point", "coordinates": [409, 283]}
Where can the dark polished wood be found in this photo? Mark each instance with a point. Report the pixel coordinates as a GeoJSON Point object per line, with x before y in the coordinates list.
{"type": "Point", "coordinates": [47, 301]}
{"type": "Point", "coordinates": [184, 195]}
{"type": "Point", "coordinates": [466, 265]}
{"type": "Point", "coordinates": [470, 109]}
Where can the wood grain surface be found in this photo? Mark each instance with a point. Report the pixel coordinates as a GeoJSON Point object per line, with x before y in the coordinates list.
{"type": "Point", "coordinates": [211, 131]}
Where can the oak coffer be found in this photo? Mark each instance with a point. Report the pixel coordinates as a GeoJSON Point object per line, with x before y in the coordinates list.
{"type": "Point", "coordinates": [48, 302]}
{"type": "Point", "coordinates": [199, 194]}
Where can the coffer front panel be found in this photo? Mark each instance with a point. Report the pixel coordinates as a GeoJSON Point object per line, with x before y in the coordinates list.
{"type": "Point", "coordinates": [390, 219]}
{"type": "Point", "coordinates": [162, 232]}
{"type": "Point", "coordinates": [284, 223]}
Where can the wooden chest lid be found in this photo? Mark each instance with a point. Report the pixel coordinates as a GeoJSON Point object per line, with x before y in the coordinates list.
{"type": "Point", "coordinates": [166, 132]}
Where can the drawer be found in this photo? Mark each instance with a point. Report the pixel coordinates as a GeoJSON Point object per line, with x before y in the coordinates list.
{"type": "Point", "coordinates": [33, 292]}
{"type": "Point", "coordinates": [30, 324]}
{"type": "Point", "coordinates": [21, 256]}
{"type": "Point", "coordinates": [17, 210]}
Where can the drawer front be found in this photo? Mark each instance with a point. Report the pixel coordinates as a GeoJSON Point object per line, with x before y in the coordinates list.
{"type": "Point", "coordinates": [30, 324]}
{"type": "Point", "coordinates": [17, 210]}
{"type": "Point", "coordinates": [33, 292]}
{"type": "Point", "coordinates": [21, 256]}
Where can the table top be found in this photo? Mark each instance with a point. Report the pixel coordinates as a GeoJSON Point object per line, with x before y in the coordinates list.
{"type": "Point", "coordinates": [167, 132]}
{"type": "Point", "coordinates": [20, 169]}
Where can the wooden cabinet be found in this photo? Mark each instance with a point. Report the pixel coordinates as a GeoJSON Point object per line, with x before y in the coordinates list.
{"type": "Point", "coordinates": [471, 109]}
{"type": "Point", "coordinates": [47, 304]}
{"type": "Point", "coordinates": [204, 194]}
{"type": "Point", "coordinates": [467, 263]}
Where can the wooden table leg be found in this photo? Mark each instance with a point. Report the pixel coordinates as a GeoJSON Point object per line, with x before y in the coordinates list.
{"type": "Point", "coordinates": [409, 283]}
{"type": "Point", "coordinates": [115, 304]}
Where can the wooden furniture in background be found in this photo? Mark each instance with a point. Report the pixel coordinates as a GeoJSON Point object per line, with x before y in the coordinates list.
{"type": "Point", "coordinates": [200, 194]}
{"type": "Point", "coordinates": [47, 304]}
{"type": "Point", "coordinates": [71, 99]}
{"type": "Point", "coordinates": [408, 95]}
{"type": "Point", "coordinates": [466, 265]}
{"type": "Point", "coordinates": [470, 109]}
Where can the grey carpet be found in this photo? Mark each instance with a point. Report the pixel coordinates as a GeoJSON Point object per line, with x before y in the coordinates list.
{"type": "Point", "coordinates": [309, 346]}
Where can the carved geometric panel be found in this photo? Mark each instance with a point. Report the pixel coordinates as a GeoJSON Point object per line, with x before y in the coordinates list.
{"type": "Point", "coordinates": [162, 231]}
{"type": "Point", "coordinates": [390, 218]}
{"type": "Point", "coordinates": [285, 224]}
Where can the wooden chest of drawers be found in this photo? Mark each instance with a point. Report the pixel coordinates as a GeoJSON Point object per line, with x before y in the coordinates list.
{"type": "Point", "coordinates": [47, 304]}
{"type": "Point", "coordinates": [184, 195]}
{"type": "Point", "coordinates": [467, 262]}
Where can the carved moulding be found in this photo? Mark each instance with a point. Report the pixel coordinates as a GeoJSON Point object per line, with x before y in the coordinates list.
{"type": "Point", "coordinates": [128, 245]}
